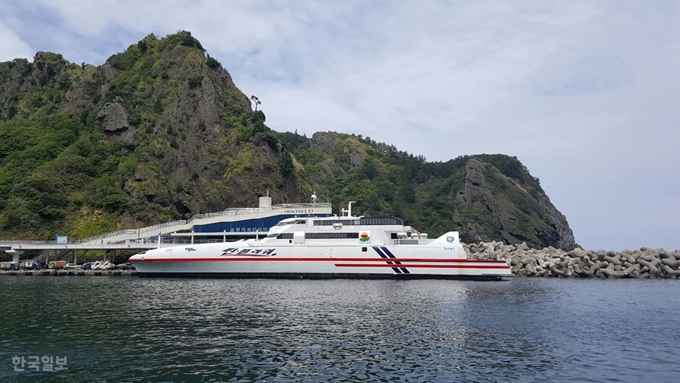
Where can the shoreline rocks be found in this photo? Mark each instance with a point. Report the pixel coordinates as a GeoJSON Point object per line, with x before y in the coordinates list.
{"type": "Point", "coordinates": [579, 263]}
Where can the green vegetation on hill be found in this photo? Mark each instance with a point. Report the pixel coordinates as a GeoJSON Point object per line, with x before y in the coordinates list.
{"type": "Point", "coordinates": [486, 197]}
{"type": "Point", "coordinates": [160, 132]}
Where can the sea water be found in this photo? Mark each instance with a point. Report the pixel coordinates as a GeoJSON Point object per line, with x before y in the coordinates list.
{"type": "Point", "coordinates": [129, 329]}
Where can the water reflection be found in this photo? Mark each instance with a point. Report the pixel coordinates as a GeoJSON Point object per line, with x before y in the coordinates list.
{"type": "Point", "coordinates": [128, 329]}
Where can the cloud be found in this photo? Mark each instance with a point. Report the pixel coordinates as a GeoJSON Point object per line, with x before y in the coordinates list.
{"type": "Point", "coordinates": [586, 94]}
{"type": "Point", "coordinates": [12, 46]}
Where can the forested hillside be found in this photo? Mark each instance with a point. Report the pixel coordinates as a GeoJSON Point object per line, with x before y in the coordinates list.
{"type": "Point", "coordinates": [160, 132]}
{"type": "Point", "coordinates": [486, 197]}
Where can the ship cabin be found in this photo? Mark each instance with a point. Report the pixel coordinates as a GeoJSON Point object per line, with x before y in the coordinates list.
{"type": "Point", "coordinates": [345, 230]}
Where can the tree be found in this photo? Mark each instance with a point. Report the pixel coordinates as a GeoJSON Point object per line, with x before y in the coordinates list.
{"type": "Point", "coordinates": [286, 163]}
{"type": "Point", "coordinates": [256, 101]}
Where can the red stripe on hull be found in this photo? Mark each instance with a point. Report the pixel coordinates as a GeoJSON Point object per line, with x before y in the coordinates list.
{"type": "Point", "coordinates": [424, 266]}
{"type": "Point", "coordinates": [317, 259]}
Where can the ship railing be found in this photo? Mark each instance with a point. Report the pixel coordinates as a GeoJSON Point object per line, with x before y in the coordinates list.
{"type": "Point", "coordinates": [410, 229]}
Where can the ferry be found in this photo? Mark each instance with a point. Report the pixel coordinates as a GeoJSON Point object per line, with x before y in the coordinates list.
{"type": "Point", "coordinates": [326, 247]}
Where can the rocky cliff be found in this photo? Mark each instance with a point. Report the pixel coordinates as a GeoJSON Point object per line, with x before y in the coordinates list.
{"type": "Point", "coordinates": [485, 197]}
{"type": "Point", "coordinates": [511, 211]}
{"type": "Point", "coordinates": [158, 132]}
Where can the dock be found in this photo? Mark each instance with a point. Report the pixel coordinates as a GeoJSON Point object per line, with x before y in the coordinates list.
{"type": "Point", "coordinates": [64, 273]}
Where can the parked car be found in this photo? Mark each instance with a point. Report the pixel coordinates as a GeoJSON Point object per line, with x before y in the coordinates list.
{"type": "Point", "coordinates": [9, 266]}
{"type": "Point", "coordinates": [31, 265]}
{"type": "Point", "coordinates": [125, 266]}
{"type": "Point", "coordinates": [87, 266]}
{"type": "Point", "coordinates": [70, 266]}
{"type": "Point", "coordinates": [56, 265]}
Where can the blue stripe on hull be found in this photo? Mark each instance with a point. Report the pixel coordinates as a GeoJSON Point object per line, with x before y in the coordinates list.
{"type": "Point", "coordinates": [389, 253]}
{"type": "Point", "coordinates": [380, 253]}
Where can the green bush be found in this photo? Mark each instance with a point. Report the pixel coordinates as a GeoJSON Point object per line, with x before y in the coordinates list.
{"type": "Point", "coordinates": [286, 163]}
{"type": "Point", "coordinates": [142, 46]}
{"type": "Point", "coordinates": [158, 107]}
{"type": "Point", "coordinates": [126, 60]}
{"type": "Point", "coordinates": [182, 38]}
{"type": "Point", "coordinates": [212, 63]}
{"type": "Point", "coordinates": [195, 81]}
{"type": "Point", "coordinates": [114, 203]}
{"type": "Point", "coordinates": [11, 112]}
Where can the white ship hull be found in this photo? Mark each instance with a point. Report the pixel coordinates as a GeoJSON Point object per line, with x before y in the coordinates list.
{"type": "Point", "coordinates": [261, 260]}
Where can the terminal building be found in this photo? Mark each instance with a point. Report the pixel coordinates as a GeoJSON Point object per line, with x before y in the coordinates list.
{"type": "Point", "coordinates": [228, 225]}
{"type": "Point", "coordinates": [235, 224]}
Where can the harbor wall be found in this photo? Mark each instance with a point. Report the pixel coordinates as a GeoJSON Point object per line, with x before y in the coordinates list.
{"type": "Point", "coordinates": [579, 263]}
{"type": "Point", "coordinates": [56, 273]}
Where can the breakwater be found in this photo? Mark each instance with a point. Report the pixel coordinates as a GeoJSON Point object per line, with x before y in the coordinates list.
{"type": "Point", "coordinates": [580, 263]}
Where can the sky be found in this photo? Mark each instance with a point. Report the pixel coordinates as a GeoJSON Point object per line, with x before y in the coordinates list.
{"type": "Point", "coordinates": [585, 93]}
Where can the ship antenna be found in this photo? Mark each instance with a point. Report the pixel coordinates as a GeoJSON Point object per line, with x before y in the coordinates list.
{"type": "Point", "coordinates": [349, 208]}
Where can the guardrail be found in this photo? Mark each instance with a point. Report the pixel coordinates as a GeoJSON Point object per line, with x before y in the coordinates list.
{"type": "Point", "coordinates": [156, 229]}
{"type": "Point", "coordinates": [227, 212]}
{"type": "Point", "coordinates": [98, 245]}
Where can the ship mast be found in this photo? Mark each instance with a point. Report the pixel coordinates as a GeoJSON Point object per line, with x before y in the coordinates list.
{"type": "Point", "coordinates": [349, 209]}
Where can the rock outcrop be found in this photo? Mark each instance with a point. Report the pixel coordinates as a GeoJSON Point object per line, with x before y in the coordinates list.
{"type": "Point", "coordinates": [113, 118]}
{"type": "Point", "coordinates": [517, 212]}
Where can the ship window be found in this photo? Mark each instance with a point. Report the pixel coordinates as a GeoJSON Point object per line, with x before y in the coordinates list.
{"type": "Point", "coordinates": [381, 221]}
{"type": "Point", "coordinates": [286, 236]}
{"type": "Point", "coordinates": [330, 222]}
{"type": "Point", "coordinates": [361, 221]}
{"type": "Point", "coordinates": [292, 222]}
{"type": "Point", "coordinates": [364, 249]}
{"type": "Point", "coordinates": [331, 235]}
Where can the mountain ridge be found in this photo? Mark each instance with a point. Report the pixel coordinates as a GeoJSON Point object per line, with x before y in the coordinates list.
{"type": "Point", "coordinates": [160, 132]}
